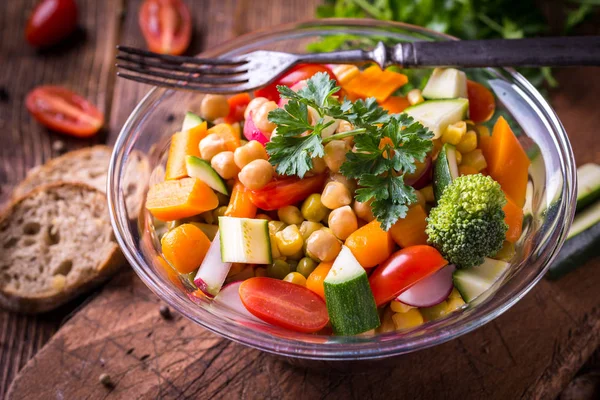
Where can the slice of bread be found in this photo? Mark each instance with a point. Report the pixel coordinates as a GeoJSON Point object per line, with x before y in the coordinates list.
{"type": "Point", "coordinates": [55, 243]}
{"type": "Point", "coordinates": [90, 166]}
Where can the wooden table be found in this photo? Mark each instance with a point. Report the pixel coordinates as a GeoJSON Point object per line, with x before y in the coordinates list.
{"type": "Point", "coordinates": [532, 350]}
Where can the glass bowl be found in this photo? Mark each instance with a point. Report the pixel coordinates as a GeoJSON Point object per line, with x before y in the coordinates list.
{"type": "Point", "coordinates": [549, 208]}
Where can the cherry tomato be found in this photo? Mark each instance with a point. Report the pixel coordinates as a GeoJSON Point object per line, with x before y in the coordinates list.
{"type": "Point", "coordinates": [403, 269]}
{"type": "Point", "coordinates": [237, 106]}
{"type": "Point", "coordinates": [296, 74]}
{"type": "Point", "coordinates": [481, 102]}
{"type": "Point", "coordinates": [284, 304]}
{"type": "Point", "coordinates": [286, 191]}
{"type": "Point", "coordinates": [62, 110]}
{"type": "Point", "coordinates": [166, 26]}
{"type": "Point", "coordinates": [50, 22]}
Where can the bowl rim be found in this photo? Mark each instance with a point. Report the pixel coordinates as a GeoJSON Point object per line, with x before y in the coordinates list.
{"type": "Point", "coordinates": [335, 351]}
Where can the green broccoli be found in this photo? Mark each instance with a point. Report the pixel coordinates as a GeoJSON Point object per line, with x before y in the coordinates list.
{"type": "Point", "coordinates": [468, 222]}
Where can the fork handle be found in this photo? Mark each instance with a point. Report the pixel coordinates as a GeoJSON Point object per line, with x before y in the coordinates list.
{"type": "Point", "coordinates": [535, 52]}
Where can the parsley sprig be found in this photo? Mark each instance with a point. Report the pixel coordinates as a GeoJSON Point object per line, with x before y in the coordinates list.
{"type": "Point", "coordinates": [386, 146]}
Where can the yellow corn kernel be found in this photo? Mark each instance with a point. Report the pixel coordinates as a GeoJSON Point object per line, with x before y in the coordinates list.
{"type": "Point", "coordinates": [454, 133]}
{"type": "Point", "coordinates": [454, 304]}
{"type": "Point", "coordinates": [289, 241]}
{"type": "Point", "coordinates": [427, 192]}
{"type": "Point", "coordinates": [414, 97]}
{"type": "Point", "coordinates": [468, 142]}
{"type": "Point", "coordinates": [344, 73]}
{"type": "Point", "coordinates": [399, 307]}
{"type": "Point", "coordinates": [410, 319]}
{"type": "Point", "coordinates": [387, 323]}
{"type": "Point", "coordinates": [475, 159]}
{"type": "Point", "coordinates": [454, 294]}
{"type": "Point", "coordinates": [296, 278]}
{"type": "Point", "coordinates": [458, 157]}
{"type": "Point", "coordinates": [434, 312]}
{"type": "Point", "coordinates": [507, 252]}
{"type": "Point", "coordinates": [482, 130]}
{"type": "Point", "coordinates": [275, 253]}
{"type": "Point", "coordinates": [260, 271]}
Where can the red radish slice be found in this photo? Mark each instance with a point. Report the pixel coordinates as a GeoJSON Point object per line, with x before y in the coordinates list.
{"type": "Point", "coordinates": [229, 298]}
{"type": "Point", "coordinates": [212, 271]}
{"type": "Point", "coordinates": [251, 132]}
{"type": "Point", "coordinates": [430, 291]}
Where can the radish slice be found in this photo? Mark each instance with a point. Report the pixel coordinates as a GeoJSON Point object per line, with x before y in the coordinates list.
{"type": "Point", "coordinates": [430, 291]}
{"type": "Point", "coordinates": [251, 132]}
{"type": "Point", "coordinates": [229, 299]}
{"type": "Point", "coordinates": [295, 87]}
{"type": "Point", "coordinates": [212, 271]}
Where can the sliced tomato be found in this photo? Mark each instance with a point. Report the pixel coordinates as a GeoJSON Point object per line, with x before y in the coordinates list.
{"type": "Point", "coordinates": [403, 269]}
{"type": "Point", "coordinates": [284, 304]}
{"type": "Point", "coordinates": [283, 192]}
{"type": "Point", "coordinates": [166, 26]}
{"type": "Point", "coordinates": [481, 102]}
{"type": "Point", "coordinates": [296, 74]}
{"type": "Point", "coordinates": [62, 110]}
{"type": "Point", "coordinates": [50, 22]}
{"type": "Point", "coordinates": [237, 106]}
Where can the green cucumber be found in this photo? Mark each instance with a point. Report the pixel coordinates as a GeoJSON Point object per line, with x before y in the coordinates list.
{"type": "Point", "coordinates": [198, 168]}
{"type": "Point", "coordinates": [472, 282]}
{"type": "Point", "coordinates": [583, 241]}
{"type": "Point", "coordinates": [438, 114]}
{"type": "Point", "coordinates": [190, 121]}
{"type": "Point", "coordinates": [446, 83]}
{"type": "Point", "coordinates": [245, 240]}
{"type": "Point", "coordinates": [445, 170]}
{"type": "Point", "coordinates": [588, 185]}
{"type": "Point", "coordinates": [348, 296]}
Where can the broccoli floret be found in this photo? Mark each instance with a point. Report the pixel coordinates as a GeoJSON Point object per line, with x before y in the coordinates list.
{"type": "Point", "coordinates": [468, 222]}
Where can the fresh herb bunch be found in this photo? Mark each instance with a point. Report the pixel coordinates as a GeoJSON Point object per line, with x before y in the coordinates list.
{"type": "Point", "coordinates": [386, 147]}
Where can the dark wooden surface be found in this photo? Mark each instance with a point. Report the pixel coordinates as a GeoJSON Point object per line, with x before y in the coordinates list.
{"type": "Point", "coordinates": [539, 344]}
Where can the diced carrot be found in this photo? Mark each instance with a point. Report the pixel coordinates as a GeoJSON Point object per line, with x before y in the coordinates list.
{"type": "Point", "coordinates": [395, 104]}
{"type": "Point", "coordinates": [373, 82]}
{"type": "Point", "coordinates": [315, 280]}
{"type": "Point", "coordinates": [370, 244]}
{"type": "Point", "coordinates": [466, 170]}
{"type": "Point", "coordinates": [183, 144]}
{"type": "Point", "coordinates": [185, 247]}
{"type": "Point", "coordinates": [226, 131]}
{"type": "Point", "coordinates": [237, 106]}
{"type": "Point", "coordinates": [240, 205]}
{"type": "Point", "coordinates": [507, 162]}
{"type": "Point", "coordinates": [513, 216]}
{"type": "Point", "coordinates": [182, 198]}
{"type": "Point", "coordinates": [481, 102]}
{"type": "Point", "coordinates": [410, 230]}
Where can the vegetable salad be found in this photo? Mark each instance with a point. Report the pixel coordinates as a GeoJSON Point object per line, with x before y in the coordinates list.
{"type": "Point", "coordinates": [329, 203]}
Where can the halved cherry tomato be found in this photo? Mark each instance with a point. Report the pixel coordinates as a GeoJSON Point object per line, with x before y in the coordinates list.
{"type": "Point", "coordinates": [62, 110]}
{"type": "Point", "coordinates": [282, 192]}
{"type": "Point", "coordinates": [284, 304]}
{"type": "Point", "coordinates": [481, 102]}
{"type": "Point", "coordinates": [403, 269]}
{"type": "Point", "coordinates": [166, 26]}
{"type": "Point", "coordinates": [298, 73]}
{"type": "Point", "coordinates": [237, 106]}
{"type": "Point", "coordinates": [50, 22]}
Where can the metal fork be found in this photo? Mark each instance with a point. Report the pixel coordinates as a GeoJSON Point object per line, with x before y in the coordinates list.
{"type": "Point", "coordinates": [253, 70]}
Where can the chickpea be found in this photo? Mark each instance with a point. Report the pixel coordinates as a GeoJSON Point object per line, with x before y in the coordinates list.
{"type": "Point", "coordinates": [224, 164]}
{"type": "Point", "coordinates": [251, 151]}
{"type": "Point", "coordinates": [260, 117]}
{"type": "Point", "coordinates": [256, 174]}
{"type": "Point", "coordinates": [211, 145]}
{"type": "Point", "coordinates": [319, 165]}
{"type": "Point", "coordinates": [335, 195]}
{"type": "Point", "coordinates": [290, 215]}
{"type": "Point", "coordinates": [344, 126]}
{"type": "Point", "coordinates": [214, 106]}
{"type": "Point", "coordinates": [363, 211]}
{"type": "Point", "coordinates": [349, 183]}
{"type": "Point", "coordinates": [335, 154]}
{"type": "Point", "coordinates": [254, 104]}
{"type": "Point", "coordinates": [342, 222]}
{"type": "Point", "coordinates": [323, 245]}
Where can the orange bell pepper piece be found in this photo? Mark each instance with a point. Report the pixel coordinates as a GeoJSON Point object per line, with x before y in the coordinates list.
{"type": "Point", "coordinates": [370, 244]}
{"type": "Point", "coordinates": [507, 162]}
{"type": "Point", "coordinates": [185, 247]}
{"type": "Point", "coordinates": [183, 144]}
{"type": "Point", "coordinates": [182, 198]}
{"type": "Point", "coordinates": [315, 280]}
{"type": "Point", "coordinates": [410, 230]}
{"type": "Point", "coordinates": [237, 106]}
{"type": "Point", "coordinates": [240, 205]}
{"type": "Point", "coordinates": [466, 170]}
{"type": "Point", "coordinates": [227, 132]}
{"type": "Point", "coordinates": [395, 104]}
{"type": "Point", "coordinates": [373, 82]}
{"type": "Point", "coordinates": [513, 216]}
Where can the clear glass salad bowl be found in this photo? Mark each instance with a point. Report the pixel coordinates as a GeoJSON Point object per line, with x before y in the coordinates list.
{"type": "Point", "coordinates": [549, 208]}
